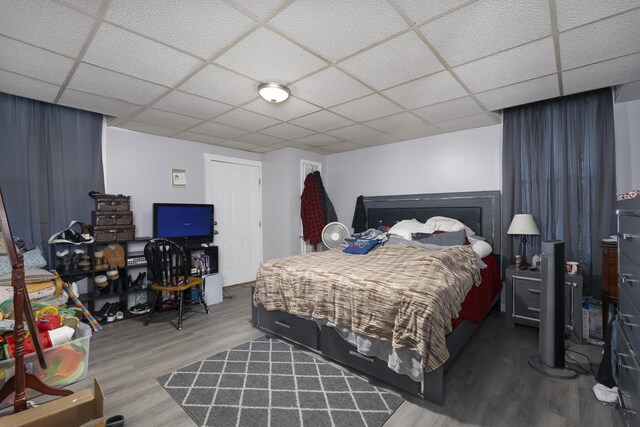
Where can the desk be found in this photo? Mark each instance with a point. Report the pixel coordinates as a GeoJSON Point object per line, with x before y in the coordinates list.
{"type": "Point", "coordinates": [609, 278]}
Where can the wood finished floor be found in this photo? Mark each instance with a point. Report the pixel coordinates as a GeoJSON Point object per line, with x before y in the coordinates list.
{"type": "Point", "coordinates": [489, 384]}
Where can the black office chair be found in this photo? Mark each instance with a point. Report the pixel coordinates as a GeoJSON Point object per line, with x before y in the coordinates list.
{"type": "Point", "coordinates": [168, 264]}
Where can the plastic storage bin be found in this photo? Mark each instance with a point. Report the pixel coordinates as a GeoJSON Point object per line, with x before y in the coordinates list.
{"type": "Point", "coordinates": [66, 364]}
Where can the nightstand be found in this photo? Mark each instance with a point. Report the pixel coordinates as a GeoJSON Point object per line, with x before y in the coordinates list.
{"type": "Point", "coordinates": [523, 300]}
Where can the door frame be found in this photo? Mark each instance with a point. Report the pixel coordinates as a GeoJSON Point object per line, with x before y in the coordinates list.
{"type": "Point", "coordinates": [208, 188]}
{"type": "Point", "coordinates": [303, 162]}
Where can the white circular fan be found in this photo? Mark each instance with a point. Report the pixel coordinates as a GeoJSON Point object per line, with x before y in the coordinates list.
{"type": "Point", "coordinates": [333, 234]}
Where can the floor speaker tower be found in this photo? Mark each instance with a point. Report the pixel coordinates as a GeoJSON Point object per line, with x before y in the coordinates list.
{"type": "Point", "coordinates": [550, 361]}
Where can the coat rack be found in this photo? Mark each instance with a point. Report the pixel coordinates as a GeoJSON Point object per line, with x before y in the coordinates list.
{"type": "Point", "coordinates": [22, 309]}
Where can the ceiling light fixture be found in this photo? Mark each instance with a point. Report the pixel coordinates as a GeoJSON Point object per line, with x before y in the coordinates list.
{"type": "Point", "coordinates": [274, 92]}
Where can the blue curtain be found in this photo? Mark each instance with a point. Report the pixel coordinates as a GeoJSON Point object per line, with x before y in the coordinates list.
{"type": "Point", "coordinates": [558, 163]}
{"type": "Point", "coordinates": [50, 158]}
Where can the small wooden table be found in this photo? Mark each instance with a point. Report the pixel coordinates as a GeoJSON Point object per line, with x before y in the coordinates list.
{"type": "Point", "coordinates": [609, 277]}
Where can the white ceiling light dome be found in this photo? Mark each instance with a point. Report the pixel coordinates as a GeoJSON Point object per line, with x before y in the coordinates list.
{"type": "Point", "coordinates": [274, 92]}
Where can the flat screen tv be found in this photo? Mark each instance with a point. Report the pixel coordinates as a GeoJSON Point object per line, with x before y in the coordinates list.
{"type": "Point", "coordinates": [186, 224]}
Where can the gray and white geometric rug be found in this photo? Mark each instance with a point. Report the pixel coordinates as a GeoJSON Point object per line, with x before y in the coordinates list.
{"type": "Point", "coordinates": [267, 382]}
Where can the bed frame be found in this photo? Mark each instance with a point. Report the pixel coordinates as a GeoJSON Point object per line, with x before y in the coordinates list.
{"type": "Point", "coordinates": [480, 211]}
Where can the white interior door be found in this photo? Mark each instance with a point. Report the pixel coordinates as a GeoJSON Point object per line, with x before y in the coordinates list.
{"type": "Point", "coordinates": [235, 194]}
{"type": "Point", "coordinates": [307, 167]}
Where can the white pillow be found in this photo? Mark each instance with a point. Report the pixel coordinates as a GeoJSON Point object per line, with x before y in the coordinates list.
{"type": "Point", "coordinates": [405, 227]}
{"type": "Point", "coordinates": [446, 224]}
{"type": "Point", "coordinates": [482, 248]}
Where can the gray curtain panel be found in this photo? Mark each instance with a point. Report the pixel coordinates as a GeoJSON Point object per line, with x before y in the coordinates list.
{"type": "Point", "coordinates": [558, 163]}
{"type": "Point", "coordinates": [50, 158]}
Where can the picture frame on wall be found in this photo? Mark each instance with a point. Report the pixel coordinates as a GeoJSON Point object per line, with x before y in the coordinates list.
{"type": "Point", "coordinates": [178, 177]}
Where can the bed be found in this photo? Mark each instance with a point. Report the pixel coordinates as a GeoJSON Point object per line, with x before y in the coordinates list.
{"type": "Point", "coordinates": [289, 315]}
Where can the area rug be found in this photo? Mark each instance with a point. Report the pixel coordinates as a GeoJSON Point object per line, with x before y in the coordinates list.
{"type": "Point", "coordinates": [267, 382]}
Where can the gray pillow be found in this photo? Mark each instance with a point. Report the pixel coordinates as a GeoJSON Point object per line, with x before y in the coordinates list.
{"type": "Point", "coordinates": [452, 238]}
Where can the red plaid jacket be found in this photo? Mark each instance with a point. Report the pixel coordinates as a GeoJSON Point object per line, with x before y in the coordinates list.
{"type": "Point", "coordinates": [311, 212]}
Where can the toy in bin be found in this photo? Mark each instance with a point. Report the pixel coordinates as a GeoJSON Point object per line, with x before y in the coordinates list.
{"type": "Point", "coordinates": [47, 338]}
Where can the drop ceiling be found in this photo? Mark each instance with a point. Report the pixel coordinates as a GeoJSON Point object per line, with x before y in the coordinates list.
{"type": "Point", "coordinates": [361, 72]}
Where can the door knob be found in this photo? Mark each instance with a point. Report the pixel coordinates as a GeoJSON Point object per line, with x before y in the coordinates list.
{"type": "Point", "coordinates": [215, 232]}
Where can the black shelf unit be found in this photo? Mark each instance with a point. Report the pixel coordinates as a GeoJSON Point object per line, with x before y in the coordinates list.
{"type": "Point", "coordinates": [94, 301]}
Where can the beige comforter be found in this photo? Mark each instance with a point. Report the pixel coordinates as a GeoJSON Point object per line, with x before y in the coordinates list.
{"type": "Point", "coordinates": [402, 294]}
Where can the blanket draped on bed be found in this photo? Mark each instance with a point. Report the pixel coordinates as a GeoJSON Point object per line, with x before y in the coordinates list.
{"type": "Point", "coordinates": [402, 294]}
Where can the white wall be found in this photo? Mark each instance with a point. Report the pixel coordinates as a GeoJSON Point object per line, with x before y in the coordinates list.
{"type": "Point", "coordinates": [139, 165]}
{"type": "Point", "coordinates": [469, 160]}
{"type": "Point", "coordinates": [627, 126]}
{"type": "Point", "coordinates": [281, 200]}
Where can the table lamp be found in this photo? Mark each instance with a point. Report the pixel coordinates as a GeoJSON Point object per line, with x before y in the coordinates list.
{"type": "Point", "coordinates": [524, 225]}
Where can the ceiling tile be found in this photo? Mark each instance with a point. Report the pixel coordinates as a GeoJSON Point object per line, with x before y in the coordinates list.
{"type": "Point", "coordinates": [318, 139]}
{"type": "Point", "coordinates": [245, 120]}
{"type": "Point", "coordinates": [288, 110]}
{"type": "Point", "coordinates": [261, 149]}
{"type": "Point", "coordinates": [191, 105]}
{"type": "Point", "coordinates": [328, 88]}
{"type": "Point", "coordinates": [198, 137]}
{"type": "Point", "coordinates": [421, 10]}
{"type": "Point", "coordinates": [629, 92]}
{"type": "Point", "coordinates": [416, 132]}
{"type": "Point", "coordinates": [320, 150]}
{"type": "Point", "coordinates": [218, 130]}
{"type": "Point", "coordinates": [352, 132]}
{"type": "Point", "coordinates": [279, 145]}
{"type": "Point", "coordinates": [341, 147]}
{"type": "Point", "coordinates": [287, 131]}
{"type": "Point", "coordinates": [59, 28]}
{"type": "Point", "coordinates": [336, 28]}
{"type": "Point", "coordinates": [300, 146]}
{"type": "Point", "coordinates": [91, 7]}
{"type": "Point", "coordinates": [128, 53]}
{"type": "Point", "coordinates": [397, 61]}
{"type": "Point", "coordinates": [221, 85]}
{"type": "Point", "coordinates": [322, 121]}
{"type": "Point", "coordinates": [212, 25]}
{"type": "Point", "coordinates": [496, 25]}
{"type": "Point", "coordinates": [237, 145]}
{"type": "Point", "coordinates": [98, 104]}
{"type": "Point", "coordinates": [265, 56]}
{"type": "Point", "coordinates": [396, 122]}
{"type": "Point", "coordinates": [520, 93]}
{"type": "Point", "coordinates": [378, 139]}
{"type": "Point", "coordinates": [89, 78]}
{"type": "Point", "coordinates": [258, 139]}
{"type": "Point", "coordinates": [509, 67]}
{"type": "Point", "coordinates": [15, 84]}
{"type": "Point", "coordinates": [260, 9]}
{"type": "Point", "coordinates": [426, 91]}
{"type": "Point", "coordinates": [449, 110]}
{"type": "Point", "coordinates": [164, 118]}
{"type": "Point", "coordinates": [149, 128]}
{"type": "Point", "coordinates": [33, 62]}
{"type": "Point", "coordinates": [367, 108]}
{"type": "Point", "coordinates": [606, 39]}
{"type": "Point", "coordinates": [572, 13]}
{"type": "Point", "coordinates": [469, 122]}
{"type": "Point", "coordinates": [603, 74]}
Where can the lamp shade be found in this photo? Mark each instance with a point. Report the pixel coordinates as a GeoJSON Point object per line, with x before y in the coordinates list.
{"type": "Point", "coordinates": [523, 224]}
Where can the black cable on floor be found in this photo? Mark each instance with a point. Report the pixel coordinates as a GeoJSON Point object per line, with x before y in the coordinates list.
{"type": "Point", "coordinates": [581, 370]}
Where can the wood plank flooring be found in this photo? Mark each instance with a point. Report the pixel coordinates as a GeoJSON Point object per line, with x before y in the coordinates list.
{"type": "Point", "coordinates": [489, 384]}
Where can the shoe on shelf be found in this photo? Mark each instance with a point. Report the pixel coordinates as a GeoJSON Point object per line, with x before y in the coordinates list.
{"type": "Point", "coordinates": [140, 309]}
{"type": "Point", "coordinates": [113, 312]}
{"type": "Point", "coordinates": [110, 256]}
{"type": "Point", "coordinates": [102, 313]}
{"type": "Point", "coordinates": [120, 260]}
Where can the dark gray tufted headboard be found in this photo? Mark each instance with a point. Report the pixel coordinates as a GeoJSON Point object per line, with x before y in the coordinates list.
{"type": "Point", "coordinates": [478, 210]}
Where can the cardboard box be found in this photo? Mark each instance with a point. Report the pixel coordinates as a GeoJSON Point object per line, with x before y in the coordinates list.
{"type": "Point", "coordinates": [80, 408]}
